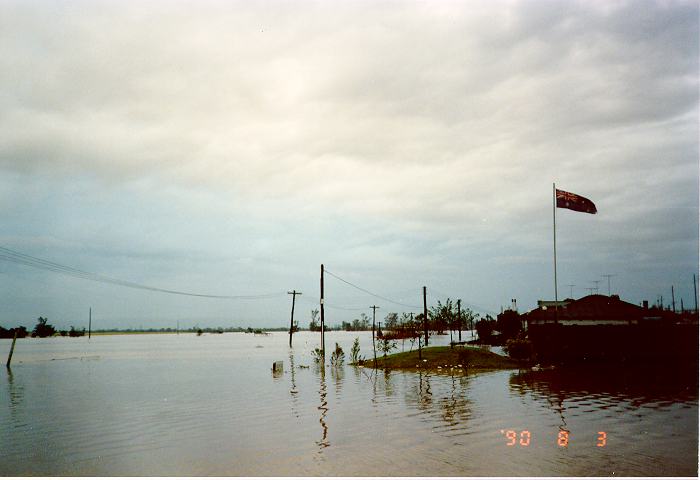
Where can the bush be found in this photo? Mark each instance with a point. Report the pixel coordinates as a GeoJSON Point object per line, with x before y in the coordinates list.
{"type": "Point", "coordinates": [338, 356]}
{"type": "Point", "coordinates": [317, 355]}
{"type": "Point", "coordinates": [519, 348]}
{"type": "Point", "coordinates": [385, 345]}
{"type": "Point", "coordinates": [43, 329]}
{"type": "Point", "coordinates": [355, 351]}
{"type": "Point", "coordinates": [484, 328]}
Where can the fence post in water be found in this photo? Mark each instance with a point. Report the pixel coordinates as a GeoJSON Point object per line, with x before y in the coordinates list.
{"type": "Point", "coordinates": [459, 318]}
{"type": "Point", "coordinates": [90, 323]}
{"type": "Point", "coordinates": [323, 338]}
{"type": "Point", "coordinates": [294, 294]}
{"type": "Point", "coordinates": [374, 349]}
{"type": "Point", "coordinates": [12, 349]}
{"type": "Point", "coordinates": [425, 316]}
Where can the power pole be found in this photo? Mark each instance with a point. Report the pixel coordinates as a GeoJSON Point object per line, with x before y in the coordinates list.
{"type": "Point", "coordinates": [420, 355]}
{"type": "Point", "coordinates": [323, 339]}
{"type": "Point", "coordinates": [673, 299]}
{"type": "Point", "coordinates": [459, 318]}
{"type": "Point", "coordinates": [695, 292]}
{"type": "Point", "coordinates": [608, 276]}
{"type": "Point", "coordinates": [294, 294]}
{"type": "Point", "coordinates": [571, 290]}
{"type": "Point", "coordinates": [596, 285]}
{"type": "Point", "coordinates": [425, 316]}
{"type": "Point", "coordinates": [374, 350]}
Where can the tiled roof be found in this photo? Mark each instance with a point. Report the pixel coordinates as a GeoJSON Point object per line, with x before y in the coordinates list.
{"type": "Point", "coordinates": [593, 307]}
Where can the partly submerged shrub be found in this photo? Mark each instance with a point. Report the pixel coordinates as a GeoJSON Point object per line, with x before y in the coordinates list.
{"type": "Point", "coordinates": [338, 356]}
{"type": "Point", "coordinates": [355, 351]}
{"type": "Point", "coordinates": [519, 348]}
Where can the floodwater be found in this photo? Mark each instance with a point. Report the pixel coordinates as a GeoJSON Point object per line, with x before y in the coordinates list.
{"type": "Point", "coordinates": [182, 405]}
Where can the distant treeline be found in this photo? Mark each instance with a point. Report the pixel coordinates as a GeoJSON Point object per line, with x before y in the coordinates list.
{"type": "Point", "coordinates": [42, 329]}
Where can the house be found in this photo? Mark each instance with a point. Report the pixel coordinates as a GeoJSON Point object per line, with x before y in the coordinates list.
{"type": "Point", "coordinates": [600, 327]}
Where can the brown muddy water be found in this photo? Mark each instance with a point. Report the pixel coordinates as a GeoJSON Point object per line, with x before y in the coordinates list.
{"type": "Point", "coordinates": [170, 405]}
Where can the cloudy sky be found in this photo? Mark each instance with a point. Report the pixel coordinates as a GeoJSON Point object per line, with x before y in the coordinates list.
{"type": "Point", "coordinates": [230, 148]}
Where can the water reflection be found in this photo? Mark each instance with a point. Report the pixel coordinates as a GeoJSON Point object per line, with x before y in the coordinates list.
{"type": "Point", "coordinates": [455, 408]}
{"type": "Point", "coordinates": [323, 408]}
{"type": "Point", "coordinates": [293, 390]}
{"type": "Point", "coordinates": [636, 385]}
{"type": "Point", "coordinates": [338, 375]}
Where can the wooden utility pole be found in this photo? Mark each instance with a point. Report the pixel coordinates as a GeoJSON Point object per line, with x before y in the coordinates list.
{"type": "Point", "coordinates": [90, 323]}
{"type": "Point", "coordinates": [12, 349]}
{"type": "Point", "coordinates": [374, 350]}
{"type": "Point", "coordinates": [695, 292]}
{"type": "Point", "coordinates": [294, 294]}
{"type": "Point", "coordinates": [425, 316]}
{"type": "Point", "coordinates": [323, 339]}
{"type": "Point", "coordinates": [459, 318]}
{"type": "Point", "coordinates": [673, 299]}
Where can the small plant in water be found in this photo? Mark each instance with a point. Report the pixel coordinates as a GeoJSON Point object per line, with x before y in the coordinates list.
{"type": "Point", "coordinates": [355, 351]}
{"type": "Point", "coordinates": [338, 356]}
{"type": "Point", "coordinates": [317, 355]}
{"type": "Point", "coordinates": [385, 345]}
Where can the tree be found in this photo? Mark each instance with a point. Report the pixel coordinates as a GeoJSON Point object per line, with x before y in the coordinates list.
{"type": "Point", "coordinates": [385, 345]}
{"type": "Point", "coordinates": [43, 329]}
{"type": "Point", "coordinates": [441, 316]}
{"type": "Point", "coordinates": [467, 319]}
{"type": "Point", "coordinates": [509, 324]}
{"type": "Point", "coordinates": [314, 325]}
{"type": "Point", "coordinates": [391, 321]}
{"type": "Point", "coordinates": [484, 328]}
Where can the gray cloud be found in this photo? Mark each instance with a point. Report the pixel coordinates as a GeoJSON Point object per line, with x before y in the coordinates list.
{"type": "Point", "coordinates": [443, 125]}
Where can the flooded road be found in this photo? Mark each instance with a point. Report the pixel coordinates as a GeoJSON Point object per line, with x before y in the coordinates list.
{"type": "Point", "coordinates": [181, 405]}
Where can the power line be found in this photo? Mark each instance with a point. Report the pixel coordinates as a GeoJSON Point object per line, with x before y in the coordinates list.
{"type": "Point", "coordinates": [368, 292]}
{"type": "Point", "coordinates": [330, 305]}
{"type": "Point", "coordinates": [42, 264]}
{"type": "Point", "coordinates": [472, 306]}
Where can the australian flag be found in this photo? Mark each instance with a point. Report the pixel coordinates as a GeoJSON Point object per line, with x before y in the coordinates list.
{"type": "Point", "coordinates": [574, 202]}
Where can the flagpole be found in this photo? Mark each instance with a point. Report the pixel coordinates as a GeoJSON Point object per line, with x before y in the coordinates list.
{"type": "Point", "coordinates": [554, 225]}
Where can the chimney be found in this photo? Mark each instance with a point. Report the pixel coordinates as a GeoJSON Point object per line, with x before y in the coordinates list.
{"type": "Point", "coordinates": [645, 304]}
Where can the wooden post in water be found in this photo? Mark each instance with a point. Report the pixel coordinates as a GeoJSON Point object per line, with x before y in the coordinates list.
{"type": "Point", "coordinates": [90, 323]}
{"type": "Point", "coordinates": [459, 316]}
{"type": "Point", "coordinates": [294, 294]}
{"type": "Point", "coordinates": [323, 339]}
{"type": "Point", "coordinates": [374, 350]}
{"type": "Point", "coordinates": [425, 316]}
{"type": "Point", "coordinates": [12, 349]}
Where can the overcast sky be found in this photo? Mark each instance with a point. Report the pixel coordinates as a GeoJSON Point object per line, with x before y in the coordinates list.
{"type": "Point", "coordinates": [230, 148]}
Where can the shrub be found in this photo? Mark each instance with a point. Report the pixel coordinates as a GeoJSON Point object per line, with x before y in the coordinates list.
{"type": "Point", "coordinates": [317, 355]}
{"type": "Point", "coordinates": [355, 351]}
{"type": "Point", "coordinates": [519, 348]}
{"type": "Point", "coordinates": [385, 345]}
{"type": "Point", "coordinates": [338, 356]}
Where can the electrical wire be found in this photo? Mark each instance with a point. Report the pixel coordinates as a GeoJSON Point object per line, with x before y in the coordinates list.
{"type": "Point", "coordinates": [27, 260]}
{"type": "Point", "coordinates": [368, 292]}
{"type": "Point", "coordinates": [466, 304]}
